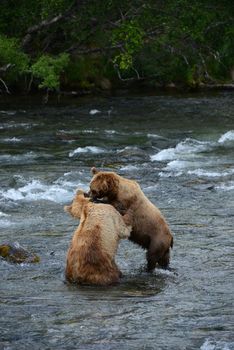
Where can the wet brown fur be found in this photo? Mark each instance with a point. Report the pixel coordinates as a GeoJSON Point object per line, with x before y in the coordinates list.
{"type": "Point", "coordinates": [90, 258]}
{"type": "Point", "coordinates": [150, 229]}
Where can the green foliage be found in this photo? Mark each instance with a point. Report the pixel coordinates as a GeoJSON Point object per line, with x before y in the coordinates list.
{"type": "Point", "coordinates": [51, 7]}
{"type": "Point", "coordinates": [130, 36]}
{"type": "Point", "coordinates": [10, 53]}
{"type": "Point", "coordinates": [17, 16]}
{"type": "Point", "coordinates": [180, 41]}
{"type": "Point", "coordinates": [48, 69]}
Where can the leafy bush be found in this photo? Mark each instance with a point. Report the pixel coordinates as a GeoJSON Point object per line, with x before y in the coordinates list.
{"type": "Point", "coordinates": [180, 41]}
{"type": "Point", "coordinates": [130, 36]}
{"type": "Point", "coordinates": [10, 53]}
{"type": "Point", "coordinates": [48, 69]}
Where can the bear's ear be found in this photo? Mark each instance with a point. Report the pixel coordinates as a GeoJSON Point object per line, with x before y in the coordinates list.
{"type": "Point", "coordinates": [79, 192]}
{"type": "Point", "coordinates": [94, 170]}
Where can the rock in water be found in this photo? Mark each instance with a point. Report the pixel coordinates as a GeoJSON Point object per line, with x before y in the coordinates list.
{"type": "Point", "coordinates": [15, 253]}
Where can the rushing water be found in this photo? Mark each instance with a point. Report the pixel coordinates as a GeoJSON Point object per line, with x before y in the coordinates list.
{"type": "Point", "coordinates": [181, 151]}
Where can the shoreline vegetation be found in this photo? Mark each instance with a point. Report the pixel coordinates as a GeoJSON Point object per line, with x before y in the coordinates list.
{"type": "Point", "coordinates": [85, 47]}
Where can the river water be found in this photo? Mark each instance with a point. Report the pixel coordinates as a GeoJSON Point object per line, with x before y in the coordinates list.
{"type": "Point", "coordinates": [181, 151]}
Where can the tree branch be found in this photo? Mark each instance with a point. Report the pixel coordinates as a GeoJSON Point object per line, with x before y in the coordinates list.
{"type": "Point", "coordinates": [44, 24]}
{"type": "Point", "coordinates": [3, 70]}
{"type": "Point", "coordinates": [6, 67]}
{"type": "Point", "coordinates": [217, 24]}
{"type": "Point", "coordinates": [5, 85]}
{"type": "Point", "coordinates": [49, 22]}
{"type": "Point", "coordinates": [87, 51]}
{"type": "Point", "coordinates": [138, 77]}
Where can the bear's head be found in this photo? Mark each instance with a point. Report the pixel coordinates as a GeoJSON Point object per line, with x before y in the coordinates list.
{"type": "Point", "coordinates": [78, 203]}
{"type": "Point", "coordinates": [104, 185]}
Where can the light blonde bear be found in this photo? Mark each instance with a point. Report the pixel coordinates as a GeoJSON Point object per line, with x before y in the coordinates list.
{"type": "Point", "coordinates": [91, 256]}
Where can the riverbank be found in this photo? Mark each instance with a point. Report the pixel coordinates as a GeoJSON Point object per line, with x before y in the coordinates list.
{"type": "Point", "coordinates": [127, 89]}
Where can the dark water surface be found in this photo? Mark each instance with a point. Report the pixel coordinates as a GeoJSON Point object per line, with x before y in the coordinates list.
{"type": "Point", "coordinates": [181, 150]}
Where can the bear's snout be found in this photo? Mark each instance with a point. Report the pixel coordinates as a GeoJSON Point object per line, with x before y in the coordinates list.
{"type": "Point", "coordinates": [93, 194]}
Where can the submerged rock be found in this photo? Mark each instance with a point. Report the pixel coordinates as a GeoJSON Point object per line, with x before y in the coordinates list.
{"type": "Point", "coordinates": [15, 253]}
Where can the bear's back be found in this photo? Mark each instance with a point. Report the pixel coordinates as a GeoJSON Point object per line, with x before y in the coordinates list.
{"type": "Point", "coordinates": [107, 218]}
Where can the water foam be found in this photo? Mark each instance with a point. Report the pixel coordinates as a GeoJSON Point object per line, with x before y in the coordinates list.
{"type": "Point", "coordinates": [129, 148]}
{"type": "Point", "coordinates": [94, 112]}
{"type": "Point", "coordinates": [9, 158]}
{"type": "Point", "coordinates": [214, 345]}
{"type": "Point", "coordinates": [227, 138]}
{"type": "Point", "coordinates": [208, 173]}
{"type": "Point", "coordinates": [187, 147]}
{"type": "Point", "coordinates": [8, 112]}
{"type": "Point", "coordinates": [156, 136]}
{"type": "Point", "coordinates": [89, 131]}
{"type": "Point", "coordinates": [4, 222]}
{"type": "Point", "coordinates": [3, 214]}
{"type": "Point", "coordinates": [12, 139]}
{"type": "Point", "coordinates": [228, 186]}
{"type": "Point", "coordinates": [195, 157]}
{"type": "Point", "coordinates": [178, 164]}
{"type": "Point", "coordinates": [165, 154]}
{"type": "Point", "coordinates": [59, 191]}
{"type": "Point", "coordinates": [111, 132]}
{"type": "Point", "coordinates": [87, 149]}
{"type": "Point", "coordinates": [129, 168]}
{"type": "Point", "coordinates": [14, 125]}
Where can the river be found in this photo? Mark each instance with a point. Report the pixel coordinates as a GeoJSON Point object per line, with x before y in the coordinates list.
{"type": "Point", "coordinates": [180, 149]}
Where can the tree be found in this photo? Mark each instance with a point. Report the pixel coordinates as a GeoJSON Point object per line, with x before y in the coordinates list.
{"type": "Point", "coordinates": [78, 42]}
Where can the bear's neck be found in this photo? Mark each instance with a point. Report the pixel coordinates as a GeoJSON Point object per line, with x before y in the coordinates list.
{"type": "Point", "coordinates": [127, 192]}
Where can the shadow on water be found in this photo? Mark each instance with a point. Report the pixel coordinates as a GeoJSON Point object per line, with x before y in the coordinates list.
{"type": "Point", "coordinates": [141, 285]}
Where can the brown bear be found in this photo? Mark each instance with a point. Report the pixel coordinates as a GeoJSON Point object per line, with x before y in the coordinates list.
{"type": "Point", "coordinates": [149, 228]}
{"type": "Point", "coordinates": [90, 258]}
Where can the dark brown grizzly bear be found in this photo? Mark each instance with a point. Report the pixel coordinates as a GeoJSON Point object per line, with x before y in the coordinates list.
{"type": "Point", "coordinates": [149, 228]}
